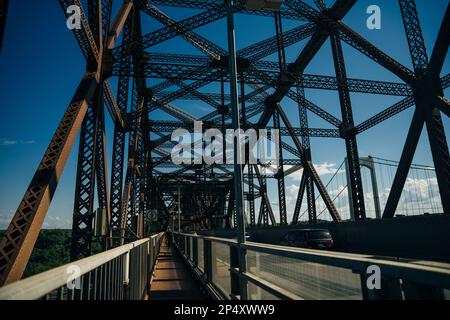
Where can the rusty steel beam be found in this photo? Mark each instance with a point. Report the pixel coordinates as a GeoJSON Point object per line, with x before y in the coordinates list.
{"type": "Point", "coordinates": [22, 233]}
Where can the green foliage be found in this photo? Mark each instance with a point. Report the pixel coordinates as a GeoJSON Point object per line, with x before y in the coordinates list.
{"type": "Point", "coordinates": [52, 250]}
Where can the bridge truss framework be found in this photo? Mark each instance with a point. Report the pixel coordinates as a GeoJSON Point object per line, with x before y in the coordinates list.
{"type": "Point", "coordinates": [143, 178]}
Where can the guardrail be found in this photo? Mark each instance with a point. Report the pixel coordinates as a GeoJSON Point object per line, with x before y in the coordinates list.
{"type": "Point", "coordinates": [122, 273]}
{"type": "Point", "coordinates": [276, 272]}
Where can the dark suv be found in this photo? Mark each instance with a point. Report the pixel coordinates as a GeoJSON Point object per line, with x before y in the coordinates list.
{"type": "Point", "coordinates": [308, 238]}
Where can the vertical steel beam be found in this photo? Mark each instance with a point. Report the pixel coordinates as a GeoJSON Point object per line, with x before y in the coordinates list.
{"type": "Point", "coordinates": [102, 167]}
{"type": "Point", "coordinates": [280, 174]}
{"type": "Point", "coordinates": [230, 210]}
{"type": "Point", "coordinates": [276, 121]}
{"type": "Point", "coordinates": [348, 132]}
{"type": "Point", "coordinates": [441, 154]}
{"type": "Point", "coordinates": [251, 196]}
{"type": "Point", "coordinates": [280, 41]}
{"type": "Point", "coordinates": [83, 212]}
{"type": "Point", "coordinates": [309, 182]}
{"type": "Point", "coordinates": [413, 31]}
{"type": "Point", "coordinates": [119, 139]}
{"type": "Point", "coordinates": [350, 194]}
{"type": "Point", "coordinates": [131, 195]}
{"type": "Point", "coordinates": [405, 163]}
{"type": "Point", "coordinates": [426, 88]}
{"type": "Point", "coordinates": [106, 17]}
{"type": "Point", "coordinates": [298, 202]}
{"type": "Point", "coordinates": [441, 46]}
{"type": "Point", "coordinates": [261, 213]}
{"type": "Point", "coordinates": [238, 181]}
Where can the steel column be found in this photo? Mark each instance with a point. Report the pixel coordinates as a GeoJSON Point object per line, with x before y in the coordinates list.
{"type": "Point", "coordinates": [238, 181]}
{"type": "Point", "coordinates": [308, 179]}
{"type": "Point", "coordinates": [348, 132]}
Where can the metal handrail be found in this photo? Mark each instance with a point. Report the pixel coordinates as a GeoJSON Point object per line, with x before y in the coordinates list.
{"type": "Point", "coordinates": [42, 284]}
{"type": "Point", "coordinates": [423, 273]}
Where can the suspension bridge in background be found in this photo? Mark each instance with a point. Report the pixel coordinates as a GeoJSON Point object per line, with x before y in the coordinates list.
{"type": "Point", "coordinates": [167, 230]}
{"type": "Point", "coordinates": [420, 195]}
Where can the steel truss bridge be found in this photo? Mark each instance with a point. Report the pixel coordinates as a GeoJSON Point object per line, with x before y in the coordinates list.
{"type": "Point", "coordinates": [140, 196]}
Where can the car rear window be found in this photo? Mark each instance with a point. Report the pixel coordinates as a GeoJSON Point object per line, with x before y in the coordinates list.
{"type": "Point", "coordinates": [315, 235]}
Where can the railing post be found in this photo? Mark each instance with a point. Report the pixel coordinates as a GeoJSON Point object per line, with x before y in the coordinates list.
{"type": "Point", "coordinates": [234, 278]}
{"type": "Point", "coordinates": [208, 260]}
{"type": "Point", "coordinates": [195, 251]}
{"type": "Point", "coordinates": [188, 248]}
{"type": "Point", "coordinates": [149, 270]}
{"type": "Point", "coordinates": [126, 276]}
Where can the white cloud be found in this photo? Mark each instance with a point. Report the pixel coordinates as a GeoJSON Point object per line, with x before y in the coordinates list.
{"type": "Point", "coordinates": [51, 222]}
{"type": "Point", "coordinates": [28, 142]}
{"type": "Point", "coordinates": [8, 142]}
{"type": "Point", "coordinates": [5, 218]}
{"type": "Point", "coordinates": [4, 142]}
{"type": "Point", "coordinates": [321, 168]}
{"type": "Point", "coordinates": [326, 168]}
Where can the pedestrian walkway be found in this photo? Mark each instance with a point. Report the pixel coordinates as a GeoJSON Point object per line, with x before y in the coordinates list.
{"type": "Point", "coordinates": [171, 280]}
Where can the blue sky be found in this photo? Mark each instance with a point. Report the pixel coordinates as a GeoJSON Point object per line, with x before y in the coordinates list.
{"type": "Point", "coordinates": [41, 64]}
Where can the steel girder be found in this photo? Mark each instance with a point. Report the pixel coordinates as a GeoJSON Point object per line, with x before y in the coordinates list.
{"type": "Point", "coordinates": [89, 48]}
{"type": "Point", "coordinates": [413, 31]}
{"type": "Point", "coordinates": [132, 208]}
{"type": "Point", "coordinates": [263, 48]}
{"type": "Point", "coordinates": [280, 176]}
{"type": "Point", "coordinates": [251, 196]}
{"type": "Point", "coordinates": [22, 233]}
{"type": "Point", "coordinates": [83, 214]}
{"type": "Point", "coordinates": [307, 179]}
{"type": "Point", "coordinates": [174, 30]}
{"type": "Point", "coordinates": [92, 164]}
{"type": "Point", "coordinates": [422, 88]}
{"type": "Point", "coordinates": [348, 133]}
{"type": "Point", "coordinates": [170, 126]}
{"type": "Point", "coordinates": [210, 4]}
{"type": "Point", "coordinates": [395, 109]}
{"type": "Point", "coordinates": [266, 211]}
{"type": "Point", "coordinates": [119, 143]}
{"type": "Point", "coordinates": [309, 167]}
{"type": "Point", "coordinates": [199, 42]}
{"type": "Point", "coordinates": [176, 71]}
{"type": "Point", "coordinates": [426, 90]}
{"type": "Point", "coordinates": [330, 205]}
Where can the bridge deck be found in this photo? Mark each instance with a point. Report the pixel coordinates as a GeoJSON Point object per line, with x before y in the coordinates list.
{"type": "Point", "coordinates": [172, 280]}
